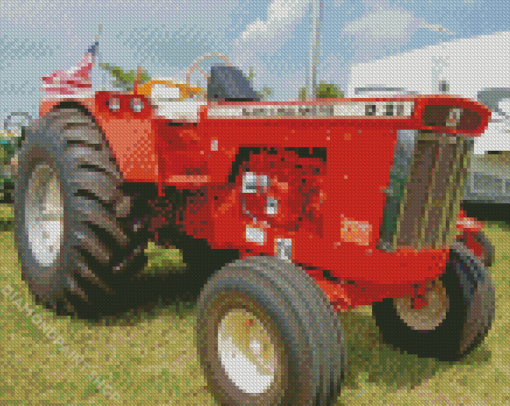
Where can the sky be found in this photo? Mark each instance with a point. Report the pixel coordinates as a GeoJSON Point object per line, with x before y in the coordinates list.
{"type": "Point", "coordinates": [272, 36]}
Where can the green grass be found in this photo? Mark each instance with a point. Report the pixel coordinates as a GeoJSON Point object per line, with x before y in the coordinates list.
{"type": "Point", "coordinates": [153, 360]}
{"type": "Point", "coordinates": [6, 212]}
{"type": "Point", "coordinates": [161, 261]}
{"type": "Point", "coordinates": [6, 217]}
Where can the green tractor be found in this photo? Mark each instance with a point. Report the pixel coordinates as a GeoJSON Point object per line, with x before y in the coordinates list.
{"type": "Point", "coordinates": [10, 142]}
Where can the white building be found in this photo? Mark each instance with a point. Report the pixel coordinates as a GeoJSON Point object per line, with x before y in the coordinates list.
{"type": "Point", "coordinates": [472, 65]}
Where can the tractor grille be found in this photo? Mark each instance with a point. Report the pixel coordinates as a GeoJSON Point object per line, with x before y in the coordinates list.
{"type": "Point", "coordinates": [426, 189]}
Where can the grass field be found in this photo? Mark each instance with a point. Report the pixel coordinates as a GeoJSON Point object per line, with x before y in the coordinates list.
{"type": "Point", "coordinates": [151, 358]}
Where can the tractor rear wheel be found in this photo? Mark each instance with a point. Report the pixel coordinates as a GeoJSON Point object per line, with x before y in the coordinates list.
{"type": "Point", "coordinates": [457, 318]}
{"type": "Point", "coordinates": [79, 232]}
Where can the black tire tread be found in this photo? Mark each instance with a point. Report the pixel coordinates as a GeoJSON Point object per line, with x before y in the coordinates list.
{"type": "Point", "coordinates": [484, 302]}
{"type": "Point", "coordinates": [312, 311]}
{"type": "Point", "coordinates": [85, 274]}
{"type": "Point", "coordinates": [96, 185]}
{"type": "Point", "coordinates": [91, 243]}
{"type": "Point", "coordinates": [88, 158]}
{"type": "Point", "coordinates": [472, 304]}
{"type": "Point", "coordinates": [334, 352]}
{"type": "Point", "coordinates": [97, 216]}
{"type": "Point", "coordinates": [105, 239]}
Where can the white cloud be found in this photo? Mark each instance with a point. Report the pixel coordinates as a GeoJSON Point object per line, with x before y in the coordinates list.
{"type": "Point", "coordinates": [382, 24]}
{"type": "Point", "coordinates": [282, 17]}
{"type": "Point", "coordinates": [264, 38]}
{"type": "Point", "coordinates": [384, 30]}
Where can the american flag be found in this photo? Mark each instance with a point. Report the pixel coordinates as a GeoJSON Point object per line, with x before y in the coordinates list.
{"type": "Point", "coordinates": [74, 80]}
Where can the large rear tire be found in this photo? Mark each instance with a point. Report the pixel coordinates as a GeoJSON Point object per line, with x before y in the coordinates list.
{"type": "Point", "coordinates": [266, 335]}
{"type": "Point", "coordinates": [456, 320]}
{"type": "Point", "coordinates": [78, 230]}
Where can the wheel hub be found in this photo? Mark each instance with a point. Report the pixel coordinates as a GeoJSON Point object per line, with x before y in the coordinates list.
{"type": "Point", "coordinates": [44, 214]}
{"type": "Point", "coordinates": [247, 352]}
{"type": "Point", "coordinates": [430, 316]}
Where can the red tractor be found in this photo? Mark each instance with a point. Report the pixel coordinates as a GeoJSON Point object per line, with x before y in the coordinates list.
{"type": "Point", "coordinates": [287, 211]}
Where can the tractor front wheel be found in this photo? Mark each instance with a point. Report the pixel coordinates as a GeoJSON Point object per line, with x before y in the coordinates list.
{"type": "Point", "coordinates": [267, 336]}
{"type": "Point", "coordinates": [458, 316]}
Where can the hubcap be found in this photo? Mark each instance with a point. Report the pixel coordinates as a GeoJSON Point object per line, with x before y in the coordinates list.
{"type": "Point", "coordinates": [44, 214]}
{"type": "Point", "coordinates": [428, 317]}
{"type": "Point", "coordinates": [246, 351]}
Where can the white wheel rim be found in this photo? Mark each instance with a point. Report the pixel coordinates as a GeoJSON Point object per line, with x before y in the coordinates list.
{"type": "Point", "coordinates": [428, 317]}
{"type": "Point", "coordinates": [247, 352]}
{"type": "Point", "coordinates": [44, 214]}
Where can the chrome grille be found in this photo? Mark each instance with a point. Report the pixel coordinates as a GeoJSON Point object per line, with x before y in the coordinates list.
{"type": "Point", "coordinates": [425, 192]}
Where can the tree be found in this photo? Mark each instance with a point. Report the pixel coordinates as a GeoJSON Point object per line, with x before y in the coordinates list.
{"type": "Point", "coordinates": [302, 94]}
{"type": "Point", "coordinates": [324, 91]}
{"type": "Point", "coordinates": [265, 92]}
{"type": "Point", "coordinates": [329, 91]}
{"type": "Point", "coordinates": [124, 80]}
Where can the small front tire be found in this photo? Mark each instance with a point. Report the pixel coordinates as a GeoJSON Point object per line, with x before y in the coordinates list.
{"type": "Point", "coordinates": [456, 320]}
{"type": "Point", "coordinates": [267, 336]}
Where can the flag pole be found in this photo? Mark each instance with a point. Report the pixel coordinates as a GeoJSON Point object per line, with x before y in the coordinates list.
{"type": "Point", "coordinates": [100, 59]}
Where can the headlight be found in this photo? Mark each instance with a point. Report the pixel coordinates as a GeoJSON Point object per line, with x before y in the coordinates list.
{"type": "Point", "coordinates": [454, 117]}
{"type": "Point", "coordinates": [114, 104]}
{"type": "Point", "coordinates": [137, 105]}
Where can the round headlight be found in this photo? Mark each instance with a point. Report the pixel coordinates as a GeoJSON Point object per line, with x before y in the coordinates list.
{"type": "Point", "coordinates": [114, 104]}
{"type": "Point", "coordinates": [454, 117]}
{"type": "Point", "coordinates": [137, 105]}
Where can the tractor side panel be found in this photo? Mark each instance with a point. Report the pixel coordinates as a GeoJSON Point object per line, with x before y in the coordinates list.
{"type": "Point", "coordinates": [359, 160]}
{"type": "Point", "coordinates": [189, 156]}
{"type": "Point", "coordinates": [134, 147]}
